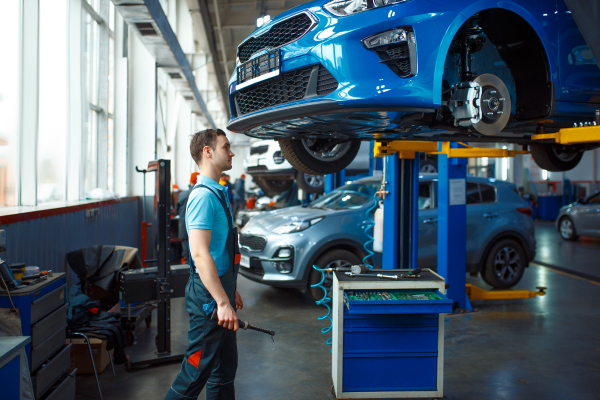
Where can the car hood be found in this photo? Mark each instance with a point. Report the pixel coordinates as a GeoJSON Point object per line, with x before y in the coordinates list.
{"type": "Point", "coordinates": [273, 219]}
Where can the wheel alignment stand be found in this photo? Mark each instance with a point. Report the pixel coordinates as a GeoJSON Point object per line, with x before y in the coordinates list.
{"type": "Point", "coordinates": [164, 353]}
{"type": "Point", "coordinates": [400, 230]}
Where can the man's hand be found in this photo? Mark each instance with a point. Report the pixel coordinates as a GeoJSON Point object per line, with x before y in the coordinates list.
{"type": "Point", "coordinates": [239, 304]}
{"type": "Point", "coordinates": [227, 317]}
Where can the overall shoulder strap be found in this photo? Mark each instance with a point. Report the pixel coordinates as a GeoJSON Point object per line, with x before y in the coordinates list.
{"type": "Point", "coordinates": [222, 201]}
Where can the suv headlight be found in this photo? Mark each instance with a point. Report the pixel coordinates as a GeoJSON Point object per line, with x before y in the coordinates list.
{"type": "Point", "coordinates": [343, 8]}
{"type": "Point", "coordinates": [296, 226]}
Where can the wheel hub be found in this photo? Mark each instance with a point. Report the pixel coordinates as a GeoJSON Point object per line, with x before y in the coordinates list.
{"type": "Point", "coordinates": [325, 149]}
{"type": "Point", "coordinates": [492, 104]}
{"type": "Point", "coordinates": [563, 153]}
{"type": "Point", "coordinates": [507, 263]}
{"type": "Point", "coordinates": [566, 228]}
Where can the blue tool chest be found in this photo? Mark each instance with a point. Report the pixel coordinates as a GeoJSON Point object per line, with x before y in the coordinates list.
{"type": "Point", "coordinates": [388, 337]}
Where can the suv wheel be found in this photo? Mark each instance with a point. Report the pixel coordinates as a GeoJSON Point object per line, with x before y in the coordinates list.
{"type": "Point", "coordinates": [504, 265]}
{"type": "Point", "coordinates": [555, 157]}
{"type": "Point", "coordinates": [567, 229]}
{"type": "Point", "coordinates": [331, 259]}
{"type": "Point", "coordinates": [428, 167]}
{"type": "Point", "coordinates": [310, 183]}
{"type": "Point", "coordinates": [319, 156]}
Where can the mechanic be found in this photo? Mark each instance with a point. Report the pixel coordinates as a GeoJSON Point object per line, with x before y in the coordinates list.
{"type": "Point", "coordinates": [182, 200]}
{"type": "Point", "coordinates": [211, 358]}
{"type": "Point", "coordinates": [239, 197]}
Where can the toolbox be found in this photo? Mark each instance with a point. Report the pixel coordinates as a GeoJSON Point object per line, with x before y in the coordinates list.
{"type": "Point", "coordinates": [139, 285]}
{"type": "Point", "coordinates": [388, 336]}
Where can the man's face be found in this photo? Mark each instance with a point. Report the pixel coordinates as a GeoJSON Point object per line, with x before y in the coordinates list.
{"type": "Point", "coordinates": [222, 154]}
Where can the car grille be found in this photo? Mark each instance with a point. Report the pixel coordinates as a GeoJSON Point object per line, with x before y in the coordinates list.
{"type": "Point", "coordinates": [259, 149]}
{"type": "Point", "coordinates": [284, 32]}
{"type": "Point", "coordinates": [255, 243]}
{"type": "Point", "coordinates": [290, 86]}
{"type": "Point", "coordinates": [258, 168]}
{"type": "Point", "coordinates": [256, 266]}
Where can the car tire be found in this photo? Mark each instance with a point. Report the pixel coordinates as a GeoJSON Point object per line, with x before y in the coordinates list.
{"type": "Point", "coordinates": [428, 167]}
{"type": "Point", "coordinates": [331, 259]}
{"type": "Point", "coordinates": [313, 156]}
{"type": "Point", "coordinates": [554, 157]}
{"type": "Point", "coordinates": [271, 187]}
{"type": "Point", "coordinates": [566, 228]}
{"type": "Point", "coordinates": [505, 264]}
{"type": "Point", "coordinates": [310, 183]}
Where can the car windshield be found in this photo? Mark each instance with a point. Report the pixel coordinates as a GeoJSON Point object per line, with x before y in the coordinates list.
{"type": "Point", "coordinates": [350, 196]}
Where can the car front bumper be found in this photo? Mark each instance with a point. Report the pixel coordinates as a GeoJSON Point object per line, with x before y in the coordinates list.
{"type": "Point", "coordinates": [369, 95]}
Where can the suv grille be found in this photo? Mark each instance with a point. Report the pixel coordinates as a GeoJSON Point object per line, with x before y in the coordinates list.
{"type": "Point", "coordinates": [281, 33]}
{"type": "Point", "coordinates": [290, 86]}
{"type": "Point", "coordinates": [259, 149]}
{"type": "Point", "coordinates": [256, 243]}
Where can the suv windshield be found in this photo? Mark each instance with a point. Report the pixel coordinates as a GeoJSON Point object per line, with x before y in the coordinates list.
{"type": "Point", "coordinates": [350, 196]}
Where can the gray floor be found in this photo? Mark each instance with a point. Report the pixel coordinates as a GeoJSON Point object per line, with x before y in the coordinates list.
{"type": "Point", "coordinates": [545, 347]}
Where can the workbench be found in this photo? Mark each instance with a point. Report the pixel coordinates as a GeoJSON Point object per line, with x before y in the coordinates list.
{"type": "Point", "coordinates": [388, 336]}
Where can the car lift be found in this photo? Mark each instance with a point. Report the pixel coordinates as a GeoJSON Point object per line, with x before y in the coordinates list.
{"type": "Point", "coordinates": [402, 234]}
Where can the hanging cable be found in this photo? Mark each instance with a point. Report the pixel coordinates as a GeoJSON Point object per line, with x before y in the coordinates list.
{"type": "Point", "coordinates": [324, 302]}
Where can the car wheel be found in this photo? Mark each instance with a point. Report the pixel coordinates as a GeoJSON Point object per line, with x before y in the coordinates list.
{"type": "Point", "coordinates": [271, 187]}
{"type": "Point", "coordinates": [495, 105]}
{"type": "Point", "coordinates": [319, 156]}
{"type": "Point", "coordinates": [567, 229]}
{"type": "Point", "coordinates": [504, 265]}
{"type": "Point", "coordinates": [428, 167]}
{"type": "Point", "coordinates": [555, 157]}
{"type": "Point", "coordinates": [331, 259]}
{"type": "Point", "coordinates": [310, 183]}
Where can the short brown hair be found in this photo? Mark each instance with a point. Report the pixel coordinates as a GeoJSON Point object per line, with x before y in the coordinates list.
{"type": "Point", "coordinates": [207, 137]}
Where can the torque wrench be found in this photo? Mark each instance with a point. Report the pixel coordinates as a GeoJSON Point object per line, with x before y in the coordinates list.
{"type": "Point", "coordinates": [243, 324]}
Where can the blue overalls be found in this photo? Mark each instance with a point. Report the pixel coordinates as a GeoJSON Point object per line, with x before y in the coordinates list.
{"type": "Point", "coordinates": [211, 358]}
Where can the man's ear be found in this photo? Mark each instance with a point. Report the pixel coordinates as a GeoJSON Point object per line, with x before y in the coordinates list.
{"type": "Point", "coordinates": [206, 151]}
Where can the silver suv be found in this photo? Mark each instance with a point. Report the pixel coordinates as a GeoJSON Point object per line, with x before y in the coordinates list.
{"type": "Point", "coordinates": [279, 247]}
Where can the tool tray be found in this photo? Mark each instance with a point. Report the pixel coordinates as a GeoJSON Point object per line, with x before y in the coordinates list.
{"type": "Point", "coordinates": [405, 301]}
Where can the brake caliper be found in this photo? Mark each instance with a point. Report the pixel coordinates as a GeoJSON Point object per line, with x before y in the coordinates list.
{"type": "Point", "coordinates": [465, 104]}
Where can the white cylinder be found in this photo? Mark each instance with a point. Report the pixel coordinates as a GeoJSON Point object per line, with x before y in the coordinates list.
{"type": "Point", "coordinates": [378, 230]}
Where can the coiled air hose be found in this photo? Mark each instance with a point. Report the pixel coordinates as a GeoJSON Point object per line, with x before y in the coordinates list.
{"type": "Point", "coordinates": [324, 302]}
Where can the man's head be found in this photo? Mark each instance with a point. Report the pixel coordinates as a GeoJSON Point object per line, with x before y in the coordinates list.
{"type": "Point", "coordinates": [243, 176]}
{"type": "Point", "coordinates": [211, 145]}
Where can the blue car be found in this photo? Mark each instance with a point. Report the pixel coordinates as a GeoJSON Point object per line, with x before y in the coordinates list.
{"type": "Point", "coordinates": [321, 77]}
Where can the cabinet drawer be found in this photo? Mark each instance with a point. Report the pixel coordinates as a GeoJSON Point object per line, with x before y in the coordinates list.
{"type": "Point", "coordinates": [423, 301]}
{"type": "Point", "coordinates": [47, 303]}
{"type": "Point", "coordinates": [65, 389]}
{"type": "Point", "coordinates": [46, 377]}
{"type": "Point", "coordinates": [46, 327]}
{"type": "Point", "coordinates": [48, 347]}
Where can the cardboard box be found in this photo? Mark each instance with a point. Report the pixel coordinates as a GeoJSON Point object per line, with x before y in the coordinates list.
{"type": "Point", "coordinates": [80, 355]}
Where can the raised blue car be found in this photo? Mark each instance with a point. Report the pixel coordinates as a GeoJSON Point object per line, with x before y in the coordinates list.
{"type": "Point", "coordinates": [322, 77]}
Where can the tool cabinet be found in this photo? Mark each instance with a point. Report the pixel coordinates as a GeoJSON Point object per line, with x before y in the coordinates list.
{"type": "Point", "coordinates": [388, 336]}
{"type": "Point", "coordinates": [43, 312]}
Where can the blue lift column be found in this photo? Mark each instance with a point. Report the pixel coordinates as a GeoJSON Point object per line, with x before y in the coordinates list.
{"type": "Point", "coordinates": [334, 181]}
{"type": "Point", "coordinates": [452, 226]}
{"type": "Point", "coordinates": [400, 210]}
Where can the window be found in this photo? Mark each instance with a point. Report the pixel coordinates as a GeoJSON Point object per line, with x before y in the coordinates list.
{"type": "Point", "coordinates": [473, 196]}
{"type": "Point", "coordinates": [52, 122]}
{"type": "Point", "coordinates": [488, 193]}
{"type": "Point", "coordinates": [10, 17]}
{"type": "Point", "coordinates": [111, 101]}
{"type": "Point", "coordinates": [425, 201]}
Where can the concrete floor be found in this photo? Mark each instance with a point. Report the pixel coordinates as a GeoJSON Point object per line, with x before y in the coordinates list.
{"type": "Point", "coordinates": [546, 347]}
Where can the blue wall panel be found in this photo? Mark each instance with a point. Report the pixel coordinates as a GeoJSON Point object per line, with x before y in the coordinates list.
{"type": "Point", "coordinates": [44, 242]}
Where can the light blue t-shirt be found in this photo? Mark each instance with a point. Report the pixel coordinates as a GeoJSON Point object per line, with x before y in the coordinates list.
{"type": "Point", "coordinates": [204, 211]}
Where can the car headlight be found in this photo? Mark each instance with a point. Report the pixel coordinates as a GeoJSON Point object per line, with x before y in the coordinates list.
{"type": "Point", "coordinates": [343, 8]}
{"type": "Point", "coordinates": [296, 226]}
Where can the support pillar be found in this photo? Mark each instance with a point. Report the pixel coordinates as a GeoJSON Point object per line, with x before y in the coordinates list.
{"type": "Point", "coordinates": [452, 226]}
